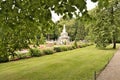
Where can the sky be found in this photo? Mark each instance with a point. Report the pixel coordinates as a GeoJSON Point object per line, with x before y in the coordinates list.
{"type": "Point", "coordinates": [90, 5]}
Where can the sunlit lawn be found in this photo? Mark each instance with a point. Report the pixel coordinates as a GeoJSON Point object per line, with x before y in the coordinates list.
{"type": "Point", "coordinates": [78, 64]}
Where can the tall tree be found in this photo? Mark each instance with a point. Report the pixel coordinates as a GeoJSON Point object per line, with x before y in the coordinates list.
{"type": "Point", "coordinates": [107, 28]}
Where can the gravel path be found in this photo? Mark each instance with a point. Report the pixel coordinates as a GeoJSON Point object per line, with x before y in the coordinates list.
{"type": "Point", "coordinates": [112, 71]}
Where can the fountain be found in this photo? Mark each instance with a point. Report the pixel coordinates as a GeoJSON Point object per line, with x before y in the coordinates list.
{"type": "Point", "coordinates": [64, 38]}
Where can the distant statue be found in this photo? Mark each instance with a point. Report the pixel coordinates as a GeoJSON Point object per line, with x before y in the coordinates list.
{"type": "Point", "coordinates": [64, 38]}
{"type": "Point", "coordinates": [64, 29]}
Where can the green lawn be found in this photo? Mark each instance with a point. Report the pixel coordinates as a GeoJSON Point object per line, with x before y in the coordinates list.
{"type": "Point", "coordinates": [78, 64]}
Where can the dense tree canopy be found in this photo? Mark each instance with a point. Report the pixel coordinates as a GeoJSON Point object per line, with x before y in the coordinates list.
{"type": "Point", "coordinates": [106, 24]}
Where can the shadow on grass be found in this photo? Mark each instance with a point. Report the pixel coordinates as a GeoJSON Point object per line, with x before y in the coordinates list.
{"type": "Point", "coordinates": [107, 48]}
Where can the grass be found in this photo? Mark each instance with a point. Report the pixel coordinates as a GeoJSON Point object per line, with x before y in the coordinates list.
{"type": "Point", "coordinates": [78, 64]}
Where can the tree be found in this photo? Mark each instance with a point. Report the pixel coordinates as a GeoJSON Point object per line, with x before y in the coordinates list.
{"type": "Point", "coordinates": [106, 29]}
{"type": "Point", "coordinates": [17, 39]}
{"type": "Point", "coordinates": [114, 13]}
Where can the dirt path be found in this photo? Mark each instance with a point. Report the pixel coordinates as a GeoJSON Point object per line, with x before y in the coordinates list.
{"type": "Point", "coordinates": [112, 71]}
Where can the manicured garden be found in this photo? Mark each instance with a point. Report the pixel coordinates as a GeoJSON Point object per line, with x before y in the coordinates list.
{"type": "Point", "coordinates": [38, 51]}
{"type": "Point", "coordinates": [77, 64]}
{"type": "Point", "coordinates": [55, 39]}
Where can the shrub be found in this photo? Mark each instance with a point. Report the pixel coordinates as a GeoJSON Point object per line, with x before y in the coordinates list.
{"type": "Point", "coordinates": [90, 44]}
{"type": "Point", "coordinates": [48, 51]}
{"type": "Point", "coordinates": [74, 47]}
{"type": "Point", "coordinates": [70, 48]}
{"type": "Point", "coordinates": [23, 55]}
{"type": "Point", "coordinates": [61, 48]}
{"type": "Point", "coordinates": [84, 45]}
{"type": "Point", "coordinates": [64, 48]}
{"type": "Point", "coordinates": [75, 44]}
{"type": "Point", "coordinates": [4, 57]}
{"type": "Point", "coordinates": [57, 49]}
{"type": "Point", "coordinates": [35, 52]}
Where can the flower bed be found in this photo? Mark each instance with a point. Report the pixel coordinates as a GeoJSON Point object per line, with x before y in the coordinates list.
{"type": "Point", "coordinates": [42, 50]}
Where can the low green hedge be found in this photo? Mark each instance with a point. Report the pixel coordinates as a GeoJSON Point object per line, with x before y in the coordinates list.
{"type": "Point", "coordinates": [57, 49]}
{"type": "Point", "coordinates": [48, 51]}
{"type": "Point", "coordinates": [23, 55]}
{"type": "Point", "coordinates": [84, 45]}
{"type": "Point", "coordinates": [62, 48]}
{"type": "Point", "coordinates": [36, 52]}
{"type": "Point", "coordinates": [74, 47]}
{"type": "Point", "coordinates": [70, 48]}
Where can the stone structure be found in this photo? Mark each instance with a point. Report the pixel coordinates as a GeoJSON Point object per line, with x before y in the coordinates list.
{"type": "Point", "coordinates": [64, 38]}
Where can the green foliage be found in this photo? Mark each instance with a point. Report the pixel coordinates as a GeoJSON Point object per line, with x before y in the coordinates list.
{"type": "Point", "coordinates": [61, 48]}
{"type": "Point", "coordinates": [103, 3]}
{"type": "Point", "coordinates": [64, 48]}
{"type": "Point", "coordinates": [23, 55]}
{"type": "Point", "coordinates": [83, 45]}
{"type": "Point", "coordinates": [48, 51]}
{"type": "Point", "coordinates": [57, 49]}
{"type": "Point", "coordinates": [75, 44]}
{"type": "Point", "coordinates": [70, 48]}
{"type": "Point", "coordinates": [15, 39]}
{"type": "Point", "coordinates": [105, 28]}
{"type": "Point", "coordinates": [74, 47]}
{"type": "Point", "coordinates": [35, 52]}
{"type": "Point", "coordinates": [52, 32]}
{"type": "Point", "coordinates": [102, 34]}
{"type": "Point", "coordinates": [3, 57]}
{"type": "Point", "coordinates": [3, 54]}
{"type": "Point", "coordinates": [38, 11]}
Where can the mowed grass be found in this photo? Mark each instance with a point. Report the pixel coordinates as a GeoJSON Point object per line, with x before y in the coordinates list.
{"type": "Point", "coordinates": [78, 64]}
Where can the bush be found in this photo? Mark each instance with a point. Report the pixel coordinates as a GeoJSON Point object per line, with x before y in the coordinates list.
{"type": "Point", "coordinates": [57, 49]}
{"type": "Point", "coordinates": [74, 47]}
{"type": "Point", "coordinates": [48, 51]}
{"type": "Point", "coordinates": [23, 55]}
{"type": "Point", "coordinates": [80, 46]}
{"type": "Point", "coordinates": [84, 45]}
{"type": "Point", "coordinates": [64, 48]}
{"type": "Point", "coordinates": [70, 48]}
{"type": "Point", "coordinates": [4, 57]}
{"type": "Point", "coordinates": [35, 52]}
{"type": "Point", "coordinates": [61, 48]}
{"type": "Point", "coordinates": [90, 44]}
{"type": "Point", "coordinates": [75, 44]}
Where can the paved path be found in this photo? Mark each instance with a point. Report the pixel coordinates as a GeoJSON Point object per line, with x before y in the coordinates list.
{"type": "Point", "coordinates": [112, 71]}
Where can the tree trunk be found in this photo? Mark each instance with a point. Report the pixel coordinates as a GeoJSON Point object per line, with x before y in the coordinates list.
{"type": "Point", "coordinates": [114, 33]}
{"type": "Point", "coordinates": [114, 42]}
{"type": "Point", "coordinates": [48, 37]}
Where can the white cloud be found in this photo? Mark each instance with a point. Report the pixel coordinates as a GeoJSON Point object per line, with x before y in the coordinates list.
{"type": "Point", "coordinates": [90, 5]}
